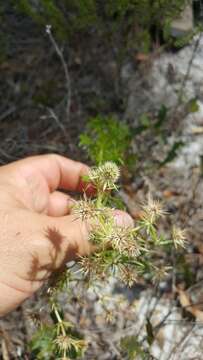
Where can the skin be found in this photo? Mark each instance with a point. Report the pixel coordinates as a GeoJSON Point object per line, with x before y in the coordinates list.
{"type": "Point", "coordinates": [38, 232]}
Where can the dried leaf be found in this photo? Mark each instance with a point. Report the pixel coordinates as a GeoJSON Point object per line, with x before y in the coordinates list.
{"type": "Point", "coordinates": [188, 306]}
{"type": "Point", "coordinates": [169, 193]}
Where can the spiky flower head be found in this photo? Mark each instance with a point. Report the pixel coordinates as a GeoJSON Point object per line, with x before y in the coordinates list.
{"type": "Point", "coordinates": [63, 342]}
{"type": "Point", "coordinates": [94, 267]}
{"type": "Point", "coordinates": [87, 265]}
{"type": "Point", "coordinates": [127, 275]}
{"type": "Point", "coordinates": [66, 343]}
{"type": "Point", "coordinates": [89, 209]}
{"type": "Point", "coordinates": [84, 209]}
{"type": "Point", "coordinates": [160, 273]}
{"type": "Point", "coordinates": [153, 210]}
{"type": "Point", "coordinates": [124, 240]}
{"type": "Point", "coordinates": [105, 176]}
{"type": "Point", "coordinates": [179, 237]}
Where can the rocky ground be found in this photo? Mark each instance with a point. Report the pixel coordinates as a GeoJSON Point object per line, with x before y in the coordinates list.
{"type": "Point", "coordinates": [34, 119]}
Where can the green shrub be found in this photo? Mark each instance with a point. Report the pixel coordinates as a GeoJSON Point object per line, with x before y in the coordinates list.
{"type": "Point", "coordinates": [131, 23]}
{"type": "Point", "coordinates": [106, 139]}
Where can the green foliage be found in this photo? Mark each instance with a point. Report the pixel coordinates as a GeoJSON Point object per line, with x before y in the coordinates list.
{"type": "Point", "coordinates": [131, 346]}
{"type": "Point", "coordinates": [161, 117]}
{"type": "Point", "coordinates": [155, 126]}
{"type": "Point", "coordinates": [150, 332]}
{"type": "Point", "coordinates": [131, 23]}
{"type": "Point", "coordinates": [172, 154]}
{"type": "Point", "coordinates": [56, 341]}
{"type": "Point", "coordinates": [106, 139]}
{"type": "Point", "coordinates": [192, 106]}
{"type": "Point", "coordinates": [42, 345]}
{"type": "Point", "coordinates": [184, 270]}
{"type": "Point", "coordinates": [184, 40]}
{"type": "Point", "coordinates": [66, 18]}
{"type": "Point", "coordinates": [43, 13]}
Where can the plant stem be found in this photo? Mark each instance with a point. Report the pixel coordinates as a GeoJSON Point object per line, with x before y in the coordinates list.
{"type": "Point", "coordinates": [60, 321]}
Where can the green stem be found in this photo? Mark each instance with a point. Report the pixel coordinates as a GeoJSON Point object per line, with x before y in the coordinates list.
{"type": "Point", "coordinates": [99, 202]}
{"type": "Point", "coordinates": [60, 321]}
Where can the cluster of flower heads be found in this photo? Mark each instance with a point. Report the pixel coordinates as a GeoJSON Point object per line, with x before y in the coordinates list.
{"type": "Point", "coordinates": [110, 236]}
{"type": "Point", "coordinates": [129, 250]}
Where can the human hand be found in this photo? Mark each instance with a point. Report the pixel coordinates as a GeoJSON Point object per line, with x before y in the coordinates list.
{"type": "Point", "coordinates": [38, 232]}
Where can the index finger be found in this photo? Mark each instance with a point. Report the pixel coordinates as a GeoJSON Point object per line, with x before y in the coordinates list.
{"type": "Point", "coordinates": [58, 171]}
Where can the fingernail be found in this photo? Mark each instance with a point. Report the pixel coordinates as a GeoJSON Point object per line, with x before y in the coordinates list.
{"type": "Point", "coordinates": [123, 219]}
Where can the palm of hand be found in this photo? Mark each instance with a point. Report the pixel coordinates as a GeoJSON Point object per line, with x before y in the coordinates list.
{"type": "Point", "coordinates": [38, 235]}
